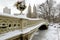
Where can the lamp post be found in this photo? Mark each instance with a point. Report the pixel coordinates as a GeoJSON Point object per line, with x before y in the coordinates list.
{"type": "Point", "coordinates": [21, 7]}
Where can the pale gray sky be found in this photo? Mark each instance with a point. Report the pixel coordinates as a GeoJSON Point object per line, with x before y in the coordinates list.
{"type": "Point", "coordinates": [10, 4]}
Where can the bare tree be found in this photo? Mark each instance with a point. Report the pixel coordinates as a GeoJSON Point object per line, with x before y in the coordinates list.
{"type": "Point", "coordinates": [53, 14]}
{"type": "Point", "coordinates": [43, 9]}
{"type": "Point", "coordinates": [46, 8]}
{"type": "Point", "coordinates": [58, 7]}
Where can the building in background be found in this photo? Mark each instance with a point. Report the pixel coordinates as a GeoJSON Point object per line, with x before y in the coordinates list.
{"type": "Point", "coordinates": [6, 10]}
{"type": "Point", "coordinates": [32, 14]}
{"type": "Point", "coordinates": [29, 12]}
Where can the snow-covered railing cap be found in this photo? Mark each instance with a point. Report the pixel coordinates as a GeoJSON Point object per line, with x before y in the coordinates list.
{"type": "Point", "coordinates": [15, 16]}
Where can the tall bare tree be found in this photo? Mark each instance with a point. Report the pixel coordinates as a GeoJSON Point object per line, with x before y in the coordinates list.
{"type": "Point", "coordinates": [58, 7]}
{"type": "Point", "coordinates": [46, 8]}
{"type": "Point", "coordinates": [53, 12]}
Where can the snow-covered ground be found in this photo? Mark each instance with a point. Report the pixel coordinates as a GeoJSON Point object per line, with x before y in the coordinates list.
{"type": "Point", "coordinates": [53, 33]}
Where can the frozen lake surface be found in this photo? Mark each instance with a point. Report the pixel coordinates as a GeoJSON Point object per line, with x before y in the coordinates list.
{"type": "Point", "coordinates": [53, 33]}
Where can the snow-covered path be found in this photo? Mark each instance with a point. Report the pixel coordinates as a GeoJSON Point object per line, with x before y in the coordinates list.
{"type": "Point", "coordinates": [53, 33]}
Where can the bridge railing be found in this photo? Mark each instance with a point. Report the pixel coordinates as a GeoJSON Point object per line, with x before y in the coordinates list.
{"type": "Point", "coordinates": [13, 24]}
{"type": "Point", "coordinates": [31, 22]}
{"type": "Point", "coordinates": [10, 24]}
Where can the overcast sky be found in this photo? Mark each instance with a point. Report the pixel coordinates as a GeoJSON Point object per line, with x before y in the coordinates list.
{"type": "Point", "coordinates": [10, 4]}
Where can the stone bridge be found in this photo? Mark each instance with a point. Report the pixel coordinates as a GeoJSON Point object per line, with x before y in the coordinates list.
{"type": "Point", "coordinates": [15, 28]}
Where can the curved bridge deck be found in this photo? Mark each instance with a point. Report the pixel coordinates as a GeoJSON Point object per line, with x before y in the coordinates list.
{"type": "Point", "coordinates": [19, 28]}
